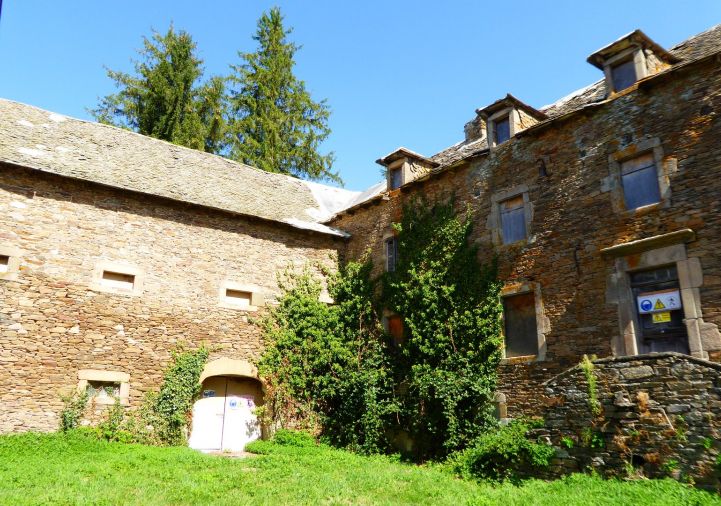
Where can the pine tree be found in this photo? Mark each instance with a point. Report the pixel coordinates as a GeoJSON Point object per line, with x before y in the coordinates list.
{"type": "Point", "coordinates": [275, 124]}
{"type": "Point", "coordinates": [164, 97]}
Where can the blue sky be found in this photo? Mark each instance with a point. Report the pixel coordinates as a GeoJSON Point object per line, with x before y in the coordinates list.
{"type": "Point", "coordinates": [395, 73]}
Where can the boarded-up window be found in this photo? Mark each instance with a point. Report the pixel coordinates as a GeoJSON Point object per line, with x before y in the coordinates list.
{"type": "Point", "coordinates": [513, 220]}
{"type": "Point", "coordinates": [623, 75]}
{"type": "Point", "coordinates": [396, 177]}
{"type": "Point", "coordinates": [394, 328]}
{"type": "Point", "coordinates": [502, 129]}
{"type": "Point", "coordinates": [521, 332]}
{"type": "Point", "coordinates": [640, 182]}
{"type": "Point", "coordinates": [391, 254]}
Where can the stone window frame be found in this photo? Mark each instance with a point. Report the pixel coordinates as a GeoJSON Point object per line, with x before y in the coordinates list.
{"type": "Point", "coordinates": [634, 53]}
{"type": "Point", "coordinates": [397, 165]}
{"type": "Point", "coordinates": [664, 170]}
{"type": "Point", "coordinates": [389, 234]}
{"type": "Point", "coordinates": [494, 219]}
{"type": "Point", "coordinates": [13, 266]}
{"type": "Point", "coordinates": [542, 322]}
{"type": "Point", "coordinates": [508, 112]}
{"type": "Point", "coordinates": [120, 268]}
{"type": "Point", "coordinates": [123, 378]}
{"type": "Point", "coordinates": [257, 299]}
{"type": "Point", "coordinates": [650, 253]}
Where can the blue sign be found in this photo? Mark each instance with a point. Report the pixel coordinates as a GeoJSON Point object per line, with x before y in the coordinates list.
{"type": "Point", "coordinates": [646, 305]}
{"type": "Point", "coordinates": [233, 403]}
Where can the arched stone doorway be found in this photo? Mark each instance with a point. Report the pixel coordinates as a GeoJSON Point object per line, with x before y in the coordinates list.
{"type": "Point", "coordinates": [224, 416]}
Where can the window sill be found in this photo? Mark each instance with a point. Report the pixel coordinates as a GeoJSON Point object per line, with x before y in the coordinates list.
{"type": "Point", "coordinates": [108, 401]}
{"type": "Point", "coordinates": [648, 208]}
{"type": "Point", "coordinates": [525, 359]}
{"type": "Point", "coordinates": [96, 287]}
{"type": "Point", "coordinates": [236, 307]}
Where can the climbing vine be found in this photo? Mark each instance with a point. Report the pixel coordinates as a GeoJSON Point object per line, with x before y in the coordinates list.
{"type": "Point", "coordinates": [333, 368]}
{"type": "Point", "coordinates": [593, 403]}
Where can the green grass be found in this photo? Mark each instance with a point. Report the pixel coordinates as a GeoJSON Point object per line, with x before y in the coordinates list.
{"type": "Point", "coordinates": [74, 469]}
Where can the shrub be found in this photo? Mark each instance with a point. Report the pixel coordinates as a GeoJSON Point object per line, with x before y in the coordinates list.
{"type": "Point", "coordinates": [287, 437]}
{"type": "Point", "coordinates": [503, 454]}
{"type": "Point", "coordinates": [73, 408]}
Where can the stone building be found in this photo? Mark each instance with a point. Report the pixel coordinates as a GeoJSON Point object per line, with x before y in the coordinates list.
{"type": "Point", "coordinates": [591, 203]}
{"type": "Point", "coordinates": [602, 209]}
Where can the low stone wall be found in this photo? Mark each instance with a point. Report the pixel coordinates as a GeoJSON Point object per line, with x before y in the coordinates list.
{"type": "Point", "coordinates": [657, 415]}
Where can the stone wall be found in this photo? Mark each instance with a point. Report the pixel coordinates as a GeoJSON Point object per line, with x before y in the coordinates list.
{"type": "Point", "coordinates": [660, 415]}
{"type": "Point", "coordinates": [53, 324]}
{"type": "Point", "coordinates": [564, 167]}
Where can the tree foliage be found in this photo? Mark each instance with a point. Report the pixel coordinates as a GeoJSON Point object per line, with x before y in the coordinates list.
{"type": "Point", "coordinates": [276, 126]}
{"type": "Point", "coordinates": [165, 97]}
{"type": "Point", "coordinates": [366, 389]}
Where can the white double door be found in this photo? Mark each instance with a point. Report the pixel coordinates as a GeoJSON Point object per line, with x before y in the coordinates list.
{"type": "Point", "coordinates": [223, 417]}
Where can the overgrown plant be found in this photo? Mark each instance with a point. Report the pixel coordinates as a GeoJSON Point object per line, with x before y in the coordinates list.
{"type": "Point", "coordinates": [593, 403]}
{"type": "Point", "coordinates": [74, 406]}
{"type": "Point", "coordinates": [503, 454]}
{"type": "Point", "coordinates": [335, 363]}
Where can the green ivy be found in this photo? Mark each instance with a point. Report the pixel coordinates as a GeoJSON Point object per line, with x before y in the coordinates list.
{"type": "Point", "coordinates": [73, 408]}
{"type": "Point", "coordinates": [593, 403]}
{"type": "Point", "coordinates": [333, 370]}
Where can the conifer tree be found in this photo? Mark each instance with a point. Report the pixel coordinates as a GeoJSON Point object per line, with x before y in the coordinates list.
{"type": "Point", "coordinates": [275, 124]}
{"type": "Point", "coordinates": [165, 99]}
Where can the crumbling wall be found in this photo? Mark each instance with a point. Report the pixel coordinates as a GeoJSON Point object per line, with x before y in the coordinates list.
{"type": "Point", "coordinates": [657, 415]}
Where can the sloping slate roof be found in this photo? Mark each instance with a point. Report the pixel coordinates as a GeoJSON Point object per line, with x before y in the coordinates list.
{"type": "Point", "coordinates": [696, 47]}
{"type": "Point", "coordinates": [49, 142]}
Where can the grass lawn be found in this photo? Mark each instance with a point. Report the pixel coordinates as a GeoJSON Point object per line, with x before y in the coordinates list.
{"type": "Point", "coordinates": [74, 469]}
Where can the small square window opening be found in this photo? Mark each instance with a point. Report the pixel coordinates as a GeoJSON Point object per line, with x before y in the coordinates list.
{"type": "Point", "coordinates": [105, 390]}
{"type": "Point", "coordinates": [238, 297]}
{"type": "Point", "coordinates": [396, 177]}
{"type": "Point", "coordinates": [391, 253]}
{"type": "Point", "coordinates": [623, 75]}
{"type": "Point", "coordinates": [639, 179]}
{"type": "Point", "coordinates": [513, 219]}
{"type": "Point", "coordinates": [520, 329]}
{"type": "Point", "coordinates": [502, 130]}
{"type": "Point", "coordinates": [118, 280]}
{"type": "Point", "coordinates": [4, 263]}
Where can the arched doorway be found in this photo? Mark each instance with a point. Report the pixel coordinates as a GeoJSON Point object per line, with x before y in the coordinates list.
{"type": "Point", "coordinates": [224, 416]}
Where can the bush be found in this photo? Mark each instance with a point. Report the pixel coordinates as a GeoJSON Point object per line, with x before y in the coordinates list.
{"type": "Point", "coordinates": [73, 408]}
{"type": "Point", "coordinates": [287, 437]}
{"type": "Point", "coordinates": [505, 453]}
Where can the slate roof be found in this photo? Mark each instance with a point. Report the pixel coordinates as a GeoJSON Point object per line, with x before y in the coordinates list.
{"type": "Point", "coordinates": [45, 141]}
{"type": "Point", "coordinates": [698, 46]}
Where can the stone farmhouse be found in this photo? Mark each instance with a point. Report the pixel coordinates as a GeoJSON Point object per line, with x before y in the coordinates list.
{"type": "Point", "coordinates": [602, 208]}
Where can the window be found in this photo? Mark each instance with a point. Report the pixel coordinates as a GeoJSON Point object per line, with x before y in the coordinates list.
{"type": "Point", "coordinates": [118, 280]}
{"type": "Point", "coordinates": [394, 328]}
{"type": "Point", "coordinates": [513, 219]}
{"type": "Point", "coordinates": [639, 179]}
{"type": "Point", "coordinates": [396, 178]}
{"type": "Point", "coordinates": [501, 130]}
{"type": "Point", "coordinates": [105, 390]}
{"type": "Point", "coordinates": [520, 326]}
{"type": "Point", "coordinates": [4, 263]}
{"type": "Point", "coordinates": [623, 75]}
{"type": "Point", "coordinates": [239, 297]}
{"type": "Point", "coordinates": [391, 254]}
{"type": "Point", "coordinates": [233, 295]}
{"type": "Point", "coordinates": [104, 387]}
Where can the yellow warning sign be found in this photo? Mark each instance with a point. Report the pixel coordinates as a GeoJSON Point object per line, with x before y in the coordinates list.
{"type": "Point", "coordinates": [658, 305]}
{"type": "Point", "coordinates": [662, 317]}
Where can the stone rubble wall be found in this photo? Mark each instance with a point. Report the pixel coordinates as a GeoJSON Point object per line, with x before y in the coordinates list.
{"type": "Point", "coordinates": [660, 416]}
{"type": "Point", "coordinates": [52, 324]}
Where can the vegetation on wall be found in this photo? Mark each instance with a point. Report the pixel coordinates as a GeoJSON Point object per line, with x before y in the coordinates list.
{"type": "Point", "coordinates": [334, 366]}
{"type": "Point", "coordinates": [164, 416]}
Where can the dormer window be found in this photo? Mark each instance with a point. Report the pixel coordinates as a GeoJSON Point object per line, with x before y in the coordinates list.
{"type": "Point", "coordinates": [506, 117]}
{"type": "Point", "coordinates": [403, 166]}
{"type": "Point", "coordinates": [395, 178]}
{"type": "Point", "coordinates": [623, 75]}
{"type": "Point", "coordinates": [629, 59]}
{"type": "Point", "coordinates": [502, 129]}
